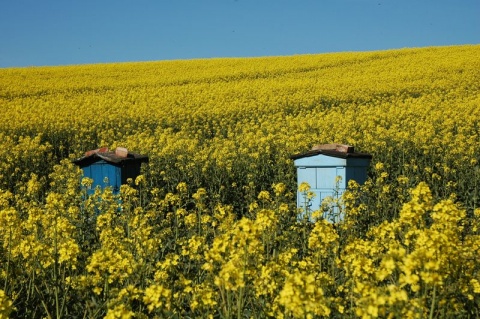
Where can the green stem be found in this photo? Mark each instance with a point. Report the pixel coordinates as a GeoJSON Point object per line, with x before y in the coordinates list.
{"type": "Point", "coordinates": [432, 307]}
{"type": "Point", "coordinates": [8, 259]}
{"type": "Point", "coordinates": [65, 292]}
{"type": "Point", "coordinates": [239, 303]}
{"type": "Point", "coordinates": [224, 302]}
{"type": "Point", "coordinates": [55, 271]}
{"type": "Point", "coordinates": [240, 296]}
{"type": "Point", "coordinates": [229, 304]}
{"type": "Point", "coordinates": [43, 302]}
{"type": "Point", "coordinates": [199, 217]}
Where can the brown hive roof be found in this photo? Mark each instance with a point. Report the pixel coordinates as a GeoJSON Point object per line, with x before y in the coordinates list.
{"type": "Point", "coordinates": [119, 156]}
{"type": "Point", "coordinates": [335, 150]}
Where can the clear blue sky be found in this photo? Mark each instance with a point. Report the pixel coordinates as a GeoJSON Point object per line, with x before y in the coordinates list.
{"type": "Point", "coordinates": [47, 32]}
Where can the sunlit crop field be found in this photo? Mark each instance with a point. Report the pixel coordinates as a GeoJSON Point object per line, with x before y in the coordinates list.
{"type": "Point", "coordinates": [210, 228]}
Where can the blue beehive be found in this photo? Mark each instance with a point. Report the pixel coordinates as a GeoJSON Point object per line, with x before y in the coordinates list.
{"type": "Point", "coordinates": [110, 168]}
{"type": "Point", "coordinates": [320, 167]}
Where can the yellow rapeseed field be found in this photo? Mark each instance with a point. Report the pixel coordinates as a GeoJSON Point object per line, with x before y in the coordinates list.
{"type": "Point", "coordinates": [210, 228]}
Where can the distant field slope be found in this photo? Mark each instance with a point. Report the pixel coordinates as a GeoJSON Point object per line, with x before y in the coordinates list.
{"type": "Point", "coordinates": [410, 108]}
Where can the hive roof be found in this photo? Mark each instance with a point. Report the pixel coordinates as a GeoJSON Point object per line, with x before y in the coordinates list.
{"type": "Point", "coordinates": [118, 157]}
{"type": "Point", "coordinates": [334, 150]}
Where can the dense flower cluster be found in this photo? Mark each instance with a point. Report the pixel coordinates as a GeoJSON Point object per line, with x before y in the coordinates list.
{"type": "Point", "coordinates": [210, 229]}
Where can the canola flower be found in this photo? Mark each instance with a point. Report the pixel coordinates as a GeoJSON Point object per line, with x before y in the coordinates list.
{"type": "Point", "coordinates": [210, 228]}
{"type": "Point", "coordinates": [6, 305]}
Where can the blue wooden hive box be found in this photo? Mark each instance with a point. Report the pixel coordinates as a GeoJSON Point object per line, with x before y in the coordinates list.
{"type": "Point", "coordinates": [110, 168]}
{"type": "Point", "coordinates": [320, 167]}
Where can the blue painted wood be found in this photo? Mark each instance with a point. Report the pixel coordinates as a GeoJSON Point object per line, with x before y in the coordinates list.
{"type": "Point", "coordinates": [320, 172]}
{"type": "Point", "coordinates": [320, 161]}
{"type": "Point", "coordinates": [104, 175]}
